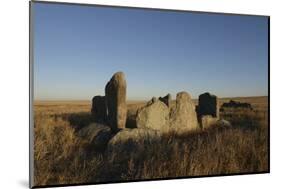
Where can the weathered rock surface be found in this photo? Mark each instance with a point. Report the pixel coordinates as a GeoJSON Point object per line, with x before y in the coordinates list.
{"type": "Point", "coordinates": [131, 142]}
{"type": "Point", "coordinates": [115, 93]}
{"type": "Point", "coordinates": [207, 121]}
{"type": "Point", "coordinates": [99, 108]}
{"type": "Point", "coordinates": [97, 135]}
{"type": "Point", "coordinates": [166, 99]}
{"type": "Point", "coordinates": [155, 115]}
{"type": "Point", "coordinates": [183, 116]}
{"type": "Point", "coordinates": [154, 99]}
{"type": "Point", "coordinates": [208, 105]}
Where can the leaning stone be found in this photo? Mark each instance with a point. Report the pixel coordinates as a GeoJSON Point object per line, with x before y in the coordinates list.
{"type": "Point", "coordinates": [96, 136]}
{"type": "Point", "coordinates": [99, 109]}
{"type": "Point", "coordinates": [115, 91]}
{"type": "Point", "coordinates": [183, 117]}
{"type": "Point", "coordinates": [155, 115]}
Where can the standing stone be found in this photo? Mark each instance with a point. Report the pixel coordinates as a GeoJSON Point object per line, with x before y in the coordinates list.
{"type": "Point", "coordinates": [166, 99]}
{"type": "Point", "coordinates": [154, 115]}
{"type": "Point", "coordinates": [99, 108]}
{"type": "Point", "coordinates": [183, 116]}
{"type": "Point", "coordinates": [208, 105]}
{"type": "Point", "coordinates": [115, 94]}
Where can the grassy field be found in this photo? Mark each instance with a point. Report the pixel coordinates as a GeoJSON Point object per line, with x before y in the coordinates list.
{"type": "Point", "coordinates": [60, 158]}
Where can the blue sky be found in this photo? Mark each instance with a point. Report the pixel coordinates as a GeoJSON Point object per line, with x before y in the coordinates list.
{"type": "Point", "coordinates": [78, 48]}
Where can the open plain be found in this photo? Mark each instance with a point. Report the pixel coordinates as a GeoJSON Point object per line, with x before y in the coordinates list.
{"type": "Point", "coordinates": [62, 157]}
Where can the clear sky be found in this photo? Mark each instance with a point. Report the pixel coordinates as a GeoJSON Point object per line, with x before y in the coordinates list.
{"type": "Point", "coordinates": [78, 48]}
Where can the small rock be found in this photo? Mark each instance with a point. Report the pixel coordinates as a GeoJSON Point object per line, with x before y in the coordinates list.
{"type": "Point", "coordinates": [207, 121]}
{"type": "Point", "coordinates": [223, 123]}
{"type": "Point", "coordinates": [96, 135]}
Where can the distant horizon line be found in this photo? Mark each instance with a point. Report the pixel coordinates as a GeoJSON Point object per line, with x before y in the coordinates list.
{"type": "Point", "coordinates": [145, 99]}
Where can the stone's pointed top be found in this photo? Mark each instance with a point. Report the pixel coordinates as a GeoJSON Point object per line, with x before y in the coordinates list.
{"type": "Point", "coordinates": [208, 105]}
{"type": "Point", "coordinates": [117, 78]}
{"type": "Point", "coordinates": [119, 75]}
{"type": "Point", "coordinates": [98, 96]}
{"type": "Point", "coordinates": [183, 94]}
{"type": "Point", "coordinates": [154, 99]}
{"type": "Point", "coordinates": [207, 94]}
{"type": "Point", "coordinates": [166, 99]}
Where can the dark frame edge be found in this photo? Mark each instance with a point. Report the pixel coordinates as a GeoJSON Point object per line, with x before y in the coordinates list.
{"type": "Point", "coordinates": [31, 134]}
{"type": "Point", "coordinates": [144, 8]}
{"type": "Point", "coordinates": [268, 111]}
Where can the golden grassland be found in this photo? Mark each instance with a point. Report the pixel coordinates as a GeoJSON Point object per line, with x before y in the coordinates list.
{"type": "Point", "coordinates": [60, 158]}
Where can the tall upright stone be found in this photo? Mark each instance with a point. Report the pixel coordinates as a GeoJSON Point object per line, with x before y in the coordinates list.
{"type": "Point", "coordinates": [98, 110]}
{"type": "Point", "coordinates": [208, 105]}
{"type": "Point", "coordinates": [183, 116]}
{"type": "Point", "coordinates": [166, 99]}
{"type": "Point", "coordinates": [115, 94]}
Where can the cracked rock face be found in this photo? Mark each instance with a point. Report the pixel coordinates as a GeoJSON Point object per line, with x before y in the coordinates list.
{"type": "Point", "coordinates": [183, 116]}
{"type": "Point", "coordinates": [155, 115]}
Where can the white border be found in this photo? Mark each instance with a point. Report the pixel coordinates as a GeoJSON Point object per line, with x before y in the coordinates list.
{"type": "Point", "coordinates": [14, 105]}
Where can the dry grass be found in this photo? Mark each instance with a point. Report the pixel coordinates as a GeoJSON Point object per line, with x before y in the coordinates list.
{"type": "Point", "coordinates": [61, 157]}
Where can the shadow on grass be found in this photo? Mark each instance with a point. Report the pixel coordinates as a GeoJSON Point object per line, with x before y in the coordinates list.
{"type": "Point", "coordinates": [82, 119]}
{"type": "Point", "coordinates": [77, 120]}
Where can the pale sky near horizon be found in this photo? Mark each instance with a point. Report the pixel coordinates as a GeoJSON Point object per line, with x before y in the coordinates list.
{"type": "Point", "coordinates": [78, 48]}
